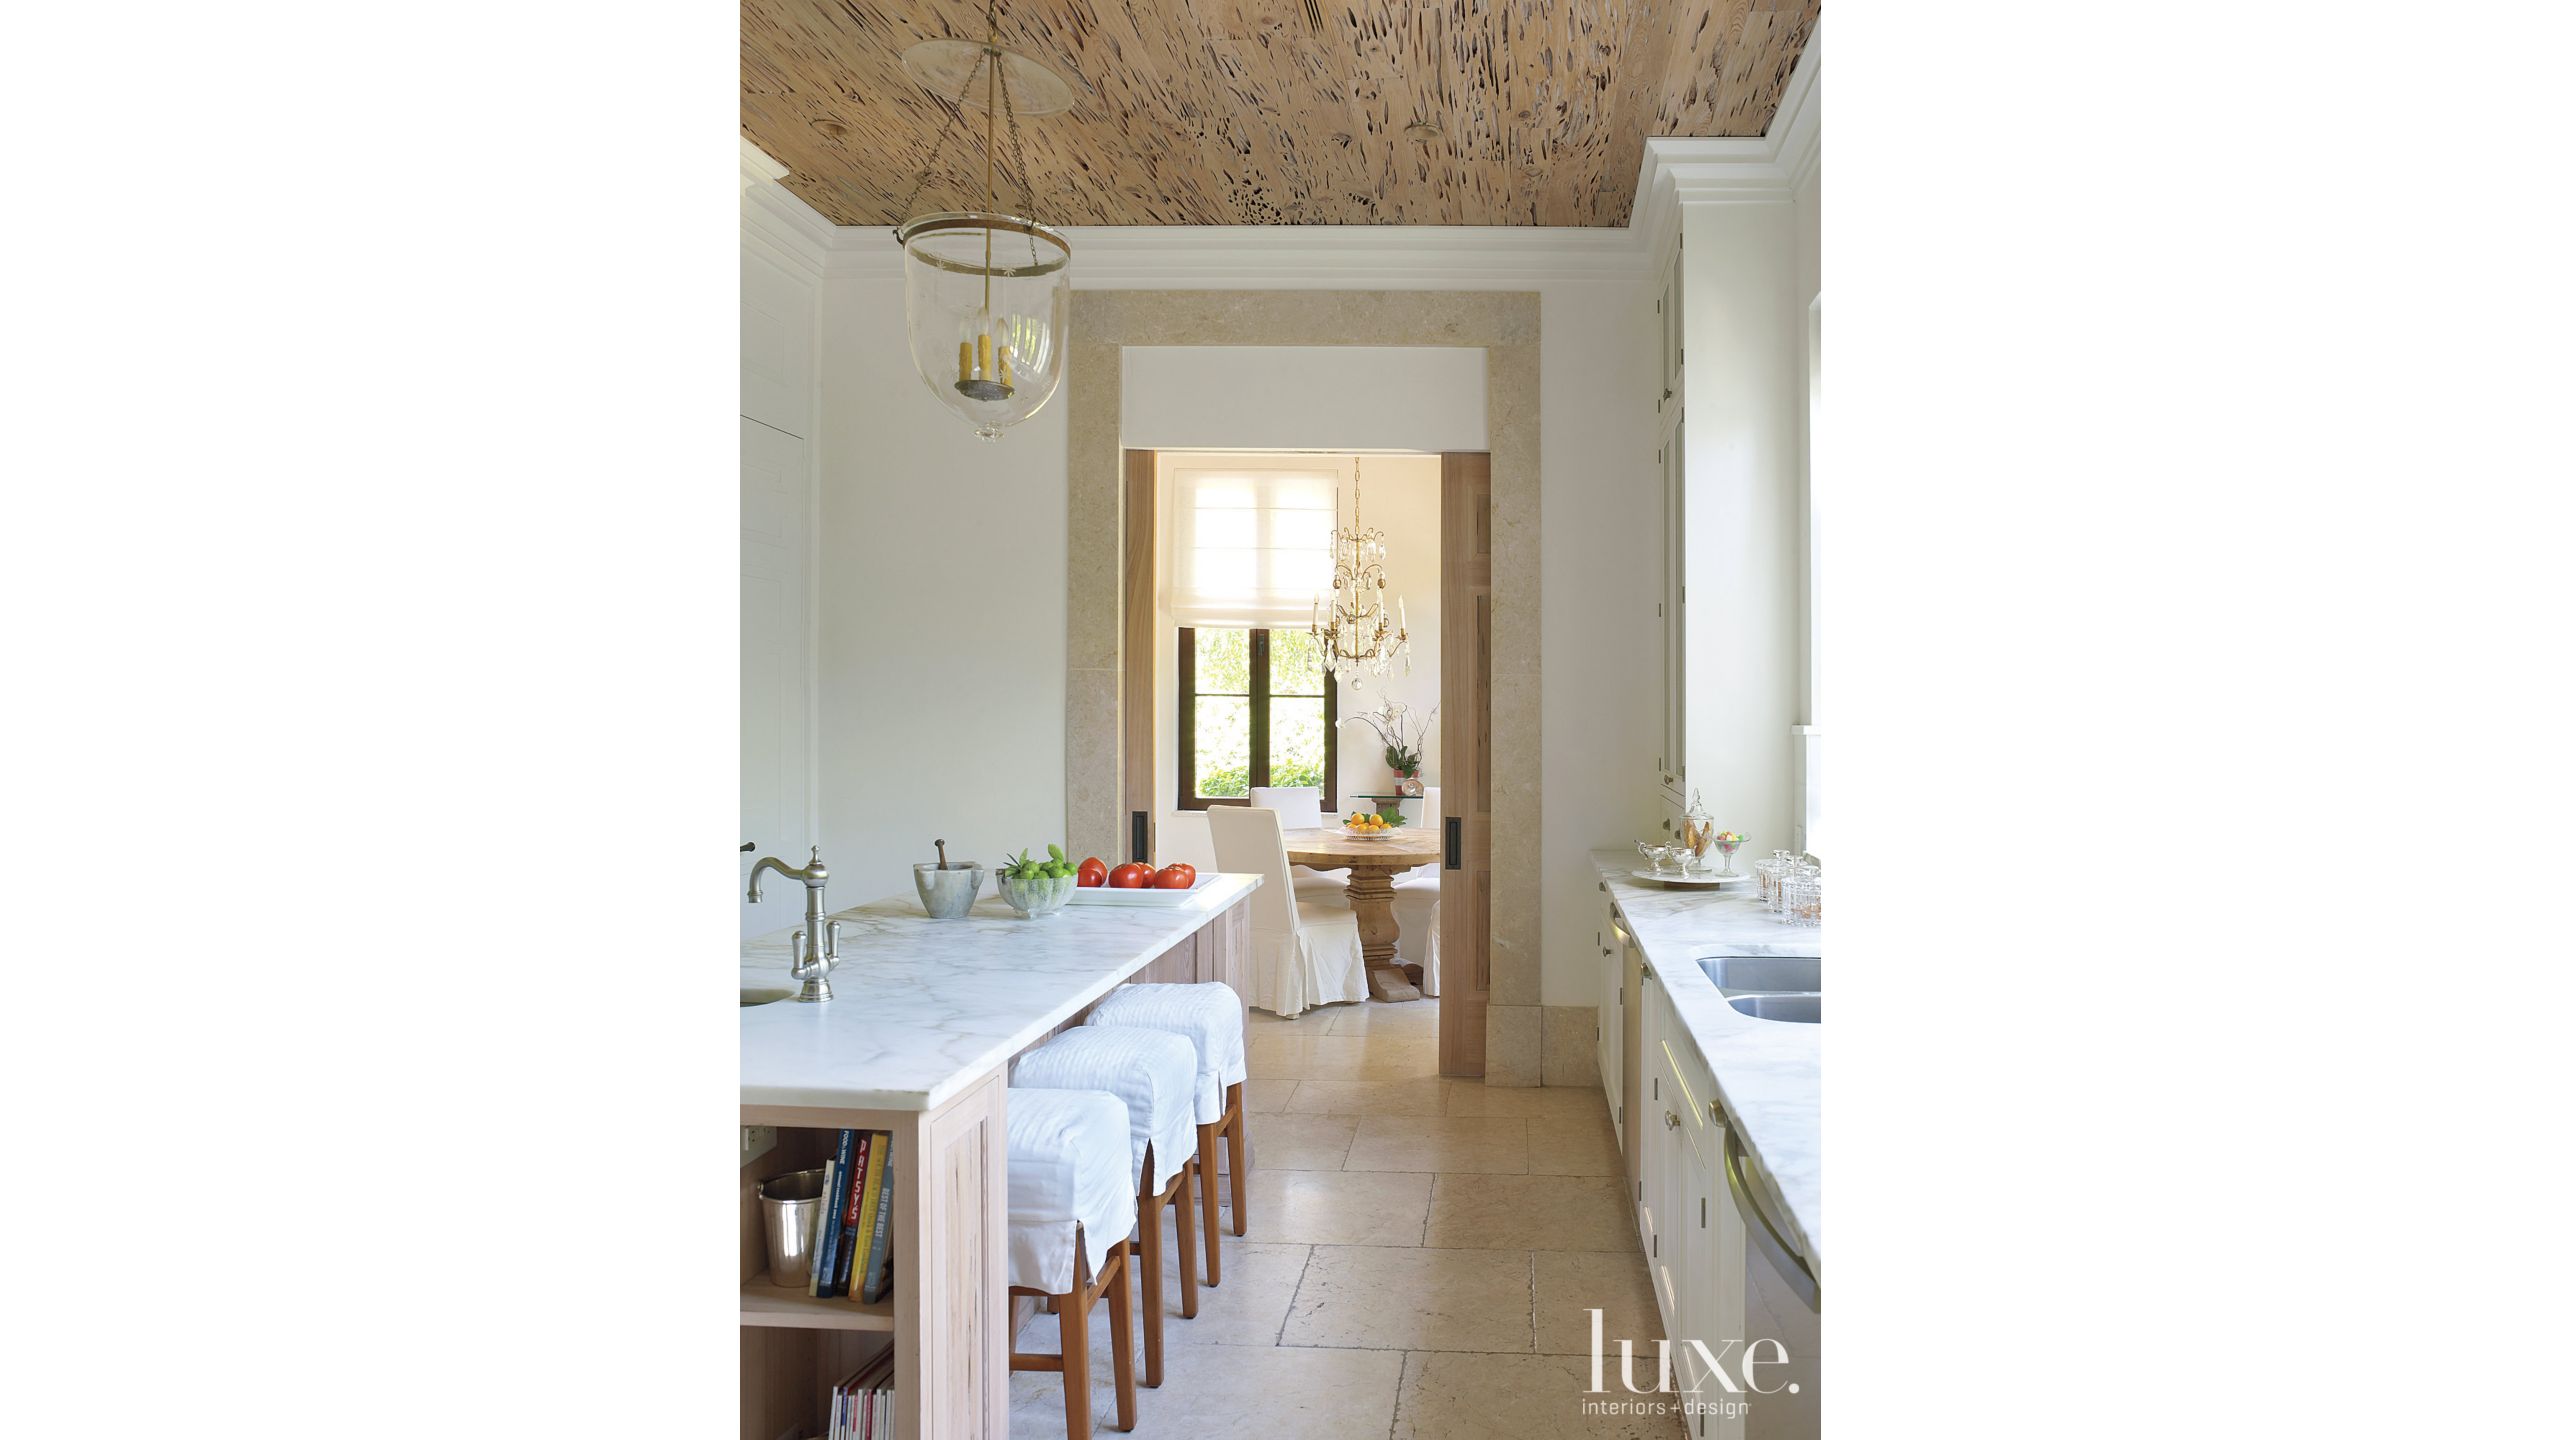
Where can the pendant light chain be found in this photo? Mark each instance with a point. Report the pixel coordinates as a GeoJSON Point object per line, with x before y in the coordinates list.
{"type": "Point", "coordinates": [933, 157]}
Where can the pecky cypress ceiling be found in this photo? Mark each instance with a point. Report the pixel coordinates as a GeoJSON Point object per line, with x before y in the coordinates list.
{"type": "Point", "coordinates": [1270, 112]}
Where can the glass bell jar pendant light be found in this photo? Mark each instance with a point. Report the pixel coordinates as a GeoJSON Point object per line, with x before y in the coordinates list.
{"type": "Point", "coordinates": [986, 290]}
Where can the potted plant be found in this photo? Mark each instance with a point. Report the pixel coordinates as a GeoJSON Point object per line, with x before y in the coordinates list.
{"type": "Point", "coordinates": [1393, 723]}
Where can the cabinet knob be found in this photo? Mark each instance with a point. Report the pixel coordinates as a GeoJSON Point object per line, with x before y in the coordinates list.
{"type": "Point", "coordinates": [1606, 951]}
{"type": "Point", "coordinates": [1670, 1119]}
{"type": "Point", "coordinates": [1715, 1112]}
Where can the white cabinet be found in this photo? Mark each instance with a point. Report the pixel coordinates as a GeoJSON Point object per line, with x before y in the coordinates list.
{"type": "Point", "coordinates": [1696, 1246]}
{"type": "Point", "coordinates": [1613, 1022]}
{"type": "Point", "coordinates": [1671, 600]}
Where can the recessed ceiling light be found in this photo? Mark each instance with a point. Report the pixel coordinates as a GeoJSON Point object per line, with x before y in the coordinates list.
{"type": "Point", "coordinates": [832, 129]}
{"type": "Point", "coordinates": [1422, 130]}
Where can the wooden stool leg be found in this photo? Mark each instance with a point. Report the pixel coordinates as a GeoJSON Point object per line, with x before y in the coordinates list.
{"type": "Point", "coordinates": [1186, 1229]}
{"type": "Point", "coordinates": [1151, 1271]}
{"type": "Point", "coordinates": [1207, 1161]}
{"type": "Point", "coordinates": [1233, 1123]}
{"type": "Point", "coordinates": [1074, 1359]}
{"type": "Point", "coordinates": [1123, 1372]}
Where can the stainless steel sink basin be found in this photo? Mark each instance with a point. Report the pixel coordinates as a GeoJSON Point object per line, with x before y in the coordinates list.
{"type": "Point", "coordinates": [1802, 1009]}
{"type": "Point", "coordinates": [763, 994]}
{"type": "Point", "coordinates": [1738, 974]}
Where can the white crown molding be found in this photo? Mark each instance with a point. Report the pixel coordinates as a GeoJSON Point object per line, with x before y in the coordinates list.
{"type": "Point", "coordinates": [756, 167]}
{"type": "Point", "coordinates": [1211, 257]}
{"type": "Point", "coordinates": [783, 220]}
{"type": "Point", "coordinates": [1768, 169]}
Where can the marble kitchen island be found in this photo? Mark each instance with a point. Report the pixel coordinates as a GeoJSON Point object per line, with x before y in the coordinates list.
{"type": "Point", "coordinates": [926, 1018]}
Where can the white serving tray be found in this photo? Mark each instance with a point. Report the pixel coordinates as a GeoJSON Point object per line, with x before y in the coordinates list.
{"type": "Point", "coordinates": [1160, 899]}
{"type": "Point", "coordinates": [1676, 880]}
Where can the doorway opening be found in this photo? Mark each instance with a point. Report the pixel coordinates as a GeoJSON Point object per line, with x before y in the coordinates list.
{"type": "Point", "coordinates": [1381, 774]}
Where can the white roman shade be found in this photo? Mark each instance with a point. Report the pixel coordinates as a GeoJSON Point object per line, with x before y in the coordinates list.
{"type": "Point", "coordinates": [1251, 547]}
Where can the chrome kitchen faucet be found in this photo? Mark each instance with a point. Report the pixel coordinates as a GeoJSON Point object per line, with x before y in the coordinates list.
{"type": "Point", "coordinates": [808, 965]}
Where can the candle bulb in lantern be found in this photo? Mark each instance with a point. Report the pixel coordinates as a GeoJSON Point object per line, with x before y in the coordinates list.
{"type": "Point", "coordinates": [986, 357]}
{"type": "Point", "coordinates": [966, 354]}
{"type": "Point", "coordinates": [1004, 365]}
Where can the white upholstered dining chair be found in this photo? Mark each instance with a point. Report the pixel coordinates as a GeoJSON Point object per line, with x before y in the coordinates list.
{"type": "Point", "coordinates": [1306, 945]}
{"type": "Point", "coordinates": [1299, 808]}
{"type": "Point", "coordinates": [1417, 903]}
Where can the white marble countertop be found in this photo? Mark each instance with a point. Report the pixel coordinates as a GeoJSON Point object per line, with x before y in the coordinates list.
{"type": "Point", "coordinates": [923, 1008]}
{"type": "Point", "coordinates": [1769, 1070]}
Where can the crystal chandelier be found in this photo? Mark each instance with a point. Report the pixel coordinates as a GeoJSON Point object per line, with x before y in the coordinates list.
{"type": "Point", "coordinates": [1355, 634]}
{"type": "Point", "coordinates": [986, 290]}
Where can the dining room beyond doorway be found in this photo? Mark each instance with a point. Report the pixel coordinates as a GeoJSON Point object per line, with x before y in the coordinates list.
{"type": "Point", "coordinates": [1294, 654]}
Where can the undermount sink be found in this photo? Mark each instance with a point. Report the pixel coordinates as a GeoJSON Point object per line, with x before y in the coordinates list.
{"type": "Point", "coordinates": [1737, 974]}
{"type": "Point", "coordinates": [1769, 987]}
{"type": "Point", "coordinates": [1802, 1009]}
{"type": "Point", "coordinates": [749, 995]}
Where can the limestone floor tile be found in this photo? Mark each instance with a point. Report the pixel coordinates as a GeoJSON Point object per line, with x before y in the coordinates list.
{"type": "Point", "coordinates": [1334, 1207]}
{"type": "Point", "coordinates": [1265, 1096]}
{"type": "Point", "coordinates": [1246, 1307]}
{"type": "Point", "coordinates": [1570, 1284]}
{"type": "Point", "coordinates": [1376, 1017]}
{"type": "Point", "coordinates": [1367, 1097]}
{"type": "Point", "coordinates": [1299, 1142]}
{"type": "Point", "coordinates": [1519, 1397]}
{"type": "Point", "coordinates": [1232, 1392]}
{"type": "Point", "coordinates": [1343, 1057]}
{"type": "Point", "coordinates": [1376, 1298]}
{"type": "Point", "coordinates": [1468, 1145]}
{"type": "Point", "coordinates": [1573, 1147]}
{"type": "Point", "coordinates": [1544, 1102]}
{"type": "Point", "coordinates": [1518, 1212]}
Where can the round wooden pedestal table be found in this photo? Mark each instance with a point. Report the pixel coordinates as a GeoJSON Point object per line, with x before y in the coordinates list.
{"type": "Point", "coordinates": [1374, 863]}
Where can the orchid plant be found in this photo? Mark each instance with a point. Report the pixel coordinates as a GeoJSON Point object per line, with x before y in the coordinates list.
{"type": "Point", "coordinates": [1391, 721]}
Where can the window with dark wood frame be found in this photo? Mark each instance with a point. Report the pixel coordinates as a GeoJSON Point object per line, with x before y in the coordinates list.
{"type": "Point", "coordinates": [1257, 698]}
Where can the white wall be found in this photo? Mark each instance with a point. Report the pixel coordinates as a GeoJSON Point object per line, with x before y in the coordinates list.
{"type": "Point", "coordinates": [1280, 397]}
{"type": "Point", "coordinates": [941, 648]}
{"type": "Point", "coordinates": [1601, 666]}
{"type": "Point", "coordinates": [778, 301]}
{"type": "Point", "coordinates": [1400, 495]}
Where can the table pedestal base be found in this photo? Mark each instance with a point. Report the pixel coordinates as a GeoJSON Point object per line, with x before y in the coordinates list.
{"type": "Point", "coordinates": [1372, 893]}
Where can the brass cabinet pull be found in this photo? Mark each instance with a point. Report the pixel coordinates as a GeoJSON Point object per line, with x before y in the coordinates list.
{"type": "Point", "coordinates": [1670, 1119]}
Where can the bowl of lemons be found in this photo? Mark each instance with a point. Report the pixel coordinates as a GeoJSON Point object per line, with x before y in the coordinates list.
{"type": "Point", "coordinates": [1367, 825]}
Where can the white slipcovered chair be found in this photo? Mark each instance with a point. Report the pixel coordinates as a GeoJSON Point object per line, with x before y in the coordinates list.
{"type": "Point", "coordinates": [1067, 1201]}
{"type": "Point", "coordinates": [1211, 1017]}
{"type": "Point", "coordinates": [1417, 903]}
{"type": "Point", "coordinates": [1154, 1074]}
{"type": "Point", "coordinates": [1306, 944]}
{"type": "Point", "coordinates": [1299, 808]}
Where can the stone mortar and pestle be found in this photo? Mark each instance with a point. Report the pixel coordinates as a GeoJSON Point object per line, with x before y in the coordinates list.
{"type": "Point", "coordinates": [948, 889]}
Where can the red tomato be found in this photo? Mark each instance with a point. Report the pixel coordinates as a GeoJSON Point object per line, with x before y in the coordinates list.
{"type": "Point", "coordinates": [1176, 876]}
{"type": "Point", "coordinates": [1092, 873]}
{"type": "Point", "coordinates": [1132, 876]}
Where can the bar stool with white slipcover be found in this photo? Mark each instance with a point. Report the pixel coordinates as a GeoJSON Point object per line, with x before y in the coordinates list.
{"type": "Point", "coordinates": [1306, 945]}
{"type": "Point", "coordinates": [1152, 1073]}
{"type": "Point", "coordinates": [1211, 1017]}
{"type": "Point", "coordinates": [1067, 1189]}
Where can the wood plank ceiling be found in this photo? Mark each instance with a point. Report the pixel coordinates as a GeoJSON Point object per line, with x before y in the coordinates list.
{"type": "Point", "coordinates": [1271, 112]}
